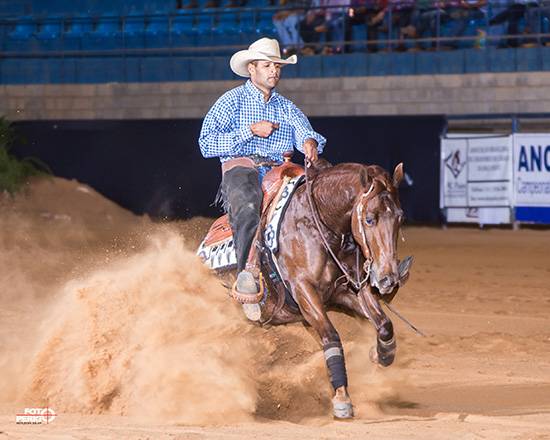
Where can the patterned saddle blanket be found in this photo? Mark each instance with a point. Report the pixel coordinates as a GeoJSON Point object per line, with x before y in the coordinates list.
{"type": "Point", "coordinates": [217, 250]}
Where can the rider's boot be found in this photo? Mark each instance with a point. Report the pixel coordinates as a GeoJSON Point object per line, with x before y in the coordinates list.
{"type": "Point", "coordinates": [246, 285]}
{"type": "Point", "coordinates": [246, 289]}
{"type": "Point", "coordinates": [243, 195]}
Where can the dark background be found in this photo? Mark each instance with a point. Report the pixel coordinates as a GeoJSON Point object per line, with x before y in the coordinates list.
{"type": "Point", "coordinates": [155, 166]}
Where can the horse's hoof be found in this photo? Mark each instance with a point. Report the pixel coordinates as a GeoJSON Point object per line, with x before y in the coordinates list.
{"type": "Point", "coordinates": [342, 410]}
{"type": "Point", "coordinates": [383, 354]}
{"type": "Point", "coordinates": [252, 311]}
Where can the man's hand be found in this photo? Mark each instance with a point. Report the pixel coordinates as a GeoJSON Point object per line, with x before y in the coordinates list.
{"type": "Point", "coordinates": [310, 149]}
{"type": "Point", "coordinates": [263, 128]}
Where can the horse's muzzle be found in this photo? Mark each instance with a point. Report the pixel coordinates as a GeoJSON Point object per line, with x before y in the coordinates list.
{"type": "Point", "coordinates": [386, 284]}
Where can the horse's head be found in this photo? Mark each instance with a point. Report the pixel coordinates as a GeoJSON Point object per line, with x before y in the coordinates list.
{"type": "Point", "coordinates": [375, 222]}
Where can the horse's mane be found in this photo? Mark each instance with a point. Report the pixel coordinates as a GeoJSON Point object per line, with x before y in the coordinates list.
{"type": "Point", "coordinates": [343, 182]}
{"type": "Point", "coordinates": [351, 171]}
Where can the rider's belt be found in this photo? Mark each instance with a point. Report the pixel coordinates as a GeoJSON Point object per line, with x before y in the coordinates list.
{"type": "Point", "coordinates": [252, 161]}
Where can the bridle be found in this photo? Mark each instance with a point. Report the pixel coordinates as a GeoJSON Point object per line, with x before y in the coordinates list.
{"type": "Point", "coordinates": [356, 283]}
{"type": "Point", "coordinates": [368, 263]}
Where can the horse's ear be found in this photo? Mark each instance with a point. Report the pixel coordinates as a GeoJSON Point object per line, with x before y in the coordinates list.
{"type": "Point", "coordinates": [398, 175]}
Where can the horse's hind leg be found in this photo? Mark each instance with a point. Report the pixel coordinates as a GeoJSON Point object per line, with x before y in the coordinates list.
{"type": "Point", "coordinates": [313, 310]}
{"type": "Point", "coordinates": [384, 354]}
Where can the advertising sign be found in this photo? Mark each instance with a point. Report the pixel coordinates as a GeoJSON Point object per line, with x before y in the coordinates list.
{"type": "Point", "coordinates": [477, 178]}
{"type": "Point", "coordinates": [532, 177]}
{"type": "Point", "coordinates": [454, 173]}
{"type": "Point", "coordinates": [489, 159]}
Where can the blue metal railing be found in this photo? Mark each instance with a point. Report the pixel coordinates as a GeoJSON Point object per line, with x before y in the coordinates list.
{"type": "Point", "coordinates": [231, 27]}
{"type": "Point", "coordinates": [74, 48]}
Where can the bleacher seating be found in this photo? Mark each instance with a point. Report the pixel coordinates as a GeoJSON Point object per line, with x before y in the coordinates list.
{"type": "Point", "coordinates": [152, 40]}
{"type": "Point", "coordinates": [20, 35]}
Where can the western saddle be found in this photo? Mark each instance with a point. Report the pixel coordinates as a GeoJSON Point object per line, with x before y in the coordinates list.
{"type": "Point", "coordinates": [272, 185]}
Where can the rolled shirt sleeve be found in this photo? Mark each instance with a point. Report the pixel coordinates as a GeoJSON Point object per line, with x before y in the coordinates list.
{"type": "Point", "coordinates": [303, 130]}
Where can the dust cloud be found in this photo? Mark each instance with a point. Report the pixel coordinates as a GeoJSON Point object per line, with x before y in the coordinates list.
{"type": "Point", "coordinates": [149, 336]}
{"type": "Point", "coordinates": [139, 327]}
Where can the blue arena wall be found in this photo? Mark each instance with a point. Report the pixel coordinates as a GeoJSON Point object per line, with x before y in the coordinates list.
{"type": "Point", "coordinates": [175, 68]}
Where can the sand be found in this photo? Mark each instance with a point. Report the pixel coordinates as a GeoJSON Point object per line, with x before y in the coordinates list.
{"type": "Point", "coordinates": [110, 320]}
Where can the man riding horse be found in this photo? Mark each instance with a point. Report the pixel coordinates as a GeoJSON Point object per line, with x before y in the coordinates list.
{"type": "Point", "coordinates": [249, 128]}
{"type": "Point", "coordinates": [329, 242]}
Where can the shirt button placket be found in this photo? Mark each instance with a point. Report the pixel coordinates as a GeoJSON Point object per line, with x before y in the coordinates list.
{"type": "Point", "coordinates": [265, 117]}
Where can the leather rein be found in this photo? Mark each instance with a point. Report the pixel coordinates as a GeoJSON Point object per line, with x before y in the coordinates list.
{"type": "Point", "coordinates": [357, 284]}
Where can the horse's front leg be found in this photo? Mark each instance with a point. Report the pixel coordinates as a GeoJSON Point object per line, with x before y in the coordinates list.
{"type": "Point", "coordinates": [313, 310]}
{"type": "Point", "coordinates": [384, 354]}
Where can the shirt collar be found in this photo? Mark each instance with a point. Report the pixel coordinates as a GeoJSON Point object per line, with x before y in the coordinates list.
{"type": "Point", "coordinates": [258, 94]}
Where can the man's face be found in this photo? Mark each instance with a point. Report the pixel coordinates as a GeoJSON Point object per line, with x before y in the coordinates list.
{"type": "Point", "coordinates": [265, 74]}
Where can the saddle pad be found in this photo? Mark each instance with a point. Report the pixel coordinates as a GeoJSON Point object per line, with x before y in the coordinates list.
{"type": "Point", "coordinates": [271, 233]}
{"type": "Point", "coordinates": [220, 255]}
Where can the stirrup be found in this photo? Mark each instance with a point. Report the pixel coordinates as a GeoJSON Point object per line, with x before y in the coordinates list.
{"type": "Point", "coordinates": [248, 298]}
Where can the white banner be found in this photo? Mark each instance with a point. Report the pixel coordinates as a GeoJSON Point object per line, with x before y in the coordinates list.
{"type": "Point", "coordinates": [453, 173]}
{"type": "Point", "coordinates": [489, 159]}
{"type": "Point", "coordinates": [476, 184]}
{"type": "Point", "coordinates": [485, 194]}
{"type": "Point", "coordinates": [532, 169]}
{"type": "Point", "coordinates": [485, 216]}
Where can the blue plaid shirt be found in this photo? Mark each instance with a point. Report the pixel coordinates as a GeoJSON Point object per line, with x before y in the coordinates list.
{"type": "Point", "coordinates": [226, 128]}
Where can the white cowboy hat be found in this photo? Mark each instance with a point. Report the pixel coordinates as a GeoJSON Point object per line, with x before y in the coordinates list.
{"type": "Point", "coordinates": [266, 49]}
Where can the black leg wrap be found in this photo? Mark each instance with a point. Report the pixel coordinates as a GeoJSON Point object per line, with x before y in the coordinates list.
{"type": "Point", "coordinates": [386, 345]}
{"type": "Point", "coordinates": [334, 356]}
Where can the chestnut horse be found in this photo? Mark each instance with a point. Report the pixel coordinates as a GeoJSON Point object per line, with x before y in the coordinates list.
{"type": "Point", "coordinates": [353, 209]}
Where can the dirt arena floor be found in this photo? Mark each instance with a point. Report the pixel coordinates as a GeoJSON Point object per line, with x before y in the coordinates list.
{"type": "Point", "coordinates": [110, 320]}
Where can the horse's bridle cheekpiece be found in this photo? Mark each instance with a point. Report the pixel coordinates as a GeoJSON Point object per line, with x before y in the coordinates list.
{"type": "Point", "coordinates": [357, 284]}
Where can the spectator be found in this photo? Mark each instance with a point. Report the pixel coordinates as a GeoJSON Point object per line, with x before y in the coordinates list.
{"type": "Point", "coordinates": [399, 13]}
{"type": "Point", "coordinates": [336, 21]}
{"type": "Point", "coordinates": [191, 4]}
{"type": "Point", "coordinates": [369, 13]}
{"type": "Point", "coordinates": [535, 16]}
{"type": "Point", "coordinates": [229, 4]}
{"type": "Point", "coordinates": [512, 14]}
{"type": "Point", "coordinates": [236, 4]}
{"type": "Point", "coordinates": [461, 12]}
{"type": "Point", "coordinates": [287, 22]}
{"type": "Point", "coordinates": [425, 20]}
{"type": "Point", "coordinates": [327, 16]}
{"type": "Point", "coordinates": [314, 17]}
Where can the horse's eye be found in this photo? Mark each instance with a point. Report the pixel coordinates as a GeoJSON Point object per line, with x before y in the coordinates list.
{"type": "Point", "coordinates": [369, 221]}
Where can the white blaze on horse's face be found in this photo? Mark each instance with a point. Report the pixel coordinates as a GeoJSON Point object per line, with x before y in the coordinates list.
{"type": "Point", "coordinates": [376, 226]}
{"type": "Point", "coordinates": [382, 220]}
